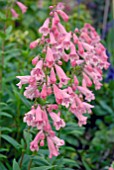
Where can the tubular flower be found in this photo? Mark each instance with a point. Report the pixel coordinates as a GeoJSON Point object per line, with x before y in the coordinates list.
{"type": "Point", "coordinates": [14, 13]}
{"type": "Point", "coordinates": [22, 7]}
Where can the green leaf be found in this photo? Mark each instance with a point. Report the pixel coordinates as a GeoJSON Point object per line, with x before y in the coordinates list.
{"type": "Point", "coordinates": [86, 165]}
{"type": "Point", "coordinates": [11, 141]}
{"type": "Point", "coordinates": [6, 129]}
{"type": "Point", "coordinates": [2, 167]}
{"type": "Point", "coordinates": [40, 160]}
{"type": "Point", "coordinates": [15, 165]}
{"type": "Point", "coordinates": [67, 169]}
{"type": "Point", "coordinates": [2, 16]}
{"type": "Point", "coordinates": [106, 107]}
{"type": "Point", "coordinates": [69, 162]}
{"type": "Point", "coordinates": [9, 29]}
{"type": "Point", "coordinates": [3, 156]}
{"type": "Point", "coordinates": [5, 114]}
{"type": "Point", "coordinates": [2, 35]}
{"type": "Point", "coordinates": [43, 167]}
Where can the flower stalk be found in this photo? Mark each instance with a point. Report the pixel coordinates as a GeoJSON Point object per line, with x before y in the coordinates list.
{"type": "Point", "coordinates": [84, 52]}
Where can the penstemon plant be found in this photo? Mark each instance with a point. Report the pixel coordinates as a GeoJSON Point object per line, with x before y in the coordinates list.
{"type": "Point", "coordinates": [68, 65]}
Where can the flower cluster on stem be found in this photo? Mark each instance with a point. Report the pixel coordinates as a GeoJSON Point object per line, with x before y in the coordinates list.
{"type": "Point", "coordinates": [81, 49]}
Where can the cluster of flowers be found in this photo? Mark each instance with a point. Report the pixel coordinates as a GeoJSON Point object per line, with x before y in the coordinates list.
{"type": "Point", "coordinates": [81, 49]}
{"type": "Point", "coordinates": [21, 6]}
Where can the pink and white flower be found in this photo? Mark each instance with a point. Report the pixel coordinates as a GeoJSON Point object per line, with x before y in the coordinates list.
{"type": "Point", "coordinates": [44, 29]}
{"type": "Point", "coordinates": [57, 121]}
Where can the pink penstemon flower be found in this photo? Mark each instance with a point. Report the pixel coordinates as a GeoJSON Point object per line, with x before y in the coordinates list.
{"type": "Point", "coordinates": [52, 148]}
{"type": "Point", "coordinates": [37, 70]}
{"type": "Point", "coordinates": [35, 60]}
{"type": "Point", "coordinates": [49, 57]}
{"type": "Point", "coordinates": [61, 75]}
{"type": "Point", "coordinates": [43, 93]}
{"type": "Point", "coordinates": [56, 18]}
{"type": "Point", "coordinates": [34, 44]}
{"type": "Point", "coordinates": [67, 100]}
{"type": "Point", "coordinates": [57, 121]}
{"type": "Point", "coordinates": [52, 39]}
{"type": "Point", "coordinates": [63, 15]}
{"type": "Point", "coordinates": [44, 29]}
{"type": "Point", "coordinates": [14, 13]}
{"type": "Point", "coordinates": [52, 76]}
{"type": "Point", "coordinates": [34, 144]}
{"type": "Point", "coordinates": [22, 6]}
{"type": "Point", "coordinates": [52, 107]}
{"type": "Point", "coordinates": [66, 42]}
{"type": "Point", "coordinates": [39, 118]}
{"type": "Point", "coordinates": [57, 141]}
{"type": "Point", "coordinates": [111, 168]}
{"type": "Point", "coordinates": [29, 117]}
{"type": "Point", "coordinates": [64, 73]}
{"type": "Point", "coordinates": [87, 80]}
{"type": "Point", "coordinates": [58, 94]}
{"type": "Point", "coordinates": [31, 92]}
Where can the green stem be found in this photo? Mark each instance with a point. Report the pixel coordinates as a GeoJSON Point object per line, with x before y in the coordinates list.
{"type": "Point", "coordinates": [54, 2]}
{"type": "Point", "coordinates": [107, 4]}
{"type": "Point", "coordinates": [21, 161]}
{"type": "Point", "coordinates": [113, 8]}
{"type": "Point", "coordinates": [30, 163]}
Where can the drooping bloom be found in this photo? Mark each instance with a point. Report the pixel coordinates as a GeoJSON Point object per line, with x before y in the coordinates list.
{"type": "Point", "coordinates": [75, 38]}
{"type": "Point", "coordinates": [80, 48]}
{"type": "Point", "coordinates": [43, 93]}
{"type": "Point", "coordinates": [44, 29]}
{"type": "Point", "coordinates": [66, 42]}
{"type": "Point", "coordinates": [34, 143]}
{"type": "Point", "coordinates": [52, 39]}
{"type": "Point", "coordinates": [34, 44]}
{"type": "Point", "coordinates": [61, 75]}
{"type": "Point", "coordinates": [35, 60]}
{"type": "Point", "coordinates": [37, 71]}
{"type": "Point", "coordinates": [63, 15]}
{"type": "Point", "coordinates": [58, 142]}
{"type": "Point", "coordinates": [66, 98]}
{"type": "Point", "coordinates": [88, 94]}
{"type": "Point", "coordinates": [88, 107]}
{"type": "Point", "coordinates": [82, 120]}
{"type": "Point", "coordinates": [49, 57]}
{"type": "Point", "coordinates": [23, 80]}
{"type": "Point", "coordinates": [52, 107]}
{"type": "Point", "coordinates": [31, 92]}
{"type": "Point", "coordinates": [52, 148]}
{"type": "Point", "coordinates": [58, 94]}
{"type": "Point", "coordinates": [14, 13]}
{"type": "Point", "coordinates": [29, 117]}
{"type": "Point", "coordinates": [56, 18]}
{"type": "Point", "coordinates": [57, 121]}
{"type": "Point", "coordinates": [22, 7]}
{"type": "Point", "coordinates": [87, 80]}
{"type": "Point", "coordinates": [52, 76]}
{"type": "Point", "coordinates": [39, 118]}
